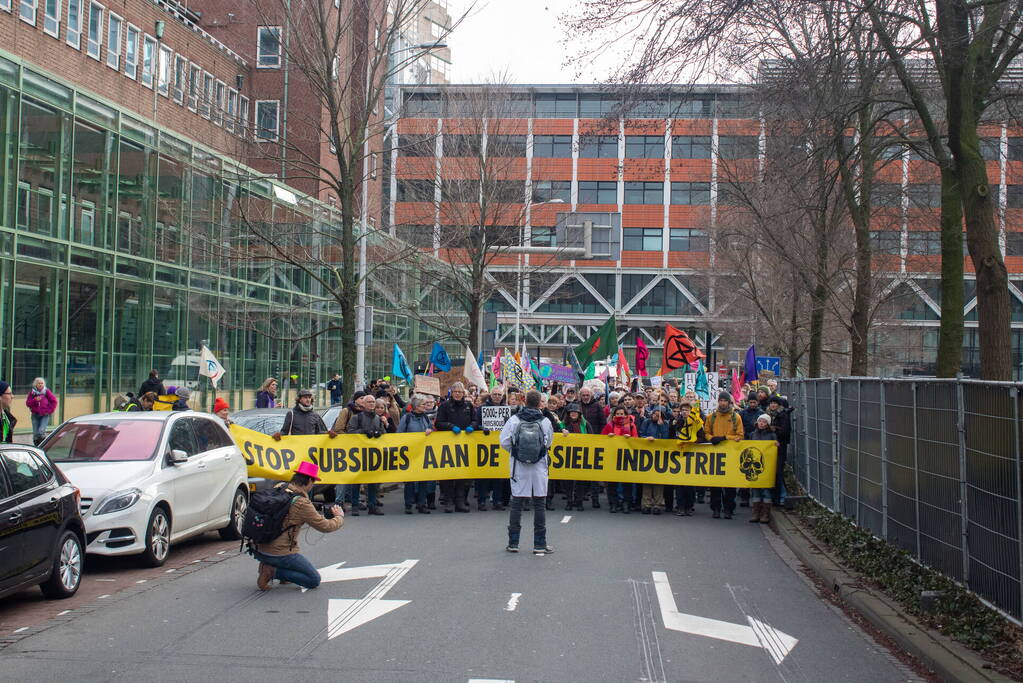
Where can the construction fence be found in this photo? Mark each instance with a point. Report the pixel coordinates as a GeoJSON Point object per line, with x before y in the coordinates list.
{"type": "Point", "coordinates": [930, 465]}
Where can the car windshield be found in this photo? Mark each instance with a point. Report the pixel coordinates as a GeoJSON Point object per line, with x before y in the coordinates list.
{"type": "Point", "coordinates": [105, 440]}
{"type": "Point", "coordinates": [267, 423]}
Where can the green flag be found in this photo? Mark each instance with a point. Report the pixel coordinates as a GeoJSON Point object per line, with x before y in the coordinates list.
{"type": "Point", "coordinates": [602, 344]}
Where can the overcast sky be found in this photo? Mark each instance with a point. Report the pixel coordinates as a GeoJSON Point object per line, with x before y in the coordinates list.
{"type": "Point", "coordinates": [522, 37]}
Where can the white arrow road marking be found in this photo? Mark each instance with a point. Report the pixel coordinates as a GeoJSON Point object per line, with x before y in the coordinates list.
{"type": "Point", "coordinates": [346, 614]}
{"type": "Point", "coordinates": [513, 602]}
{"type": "Point", "coordinates": [757, 634]}
{"type": "Point", "coordinates": [566, 519]}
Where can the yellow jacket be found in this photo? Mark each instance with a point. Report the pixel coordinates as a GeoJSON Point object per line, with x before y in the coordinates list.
{"type": "Point", "coordinates": [728, 425]}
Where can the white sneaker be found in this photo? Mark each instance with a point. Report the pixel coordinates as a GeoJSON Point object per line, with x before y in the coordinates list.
{"type": "Point", "coordinates": [543, 551]}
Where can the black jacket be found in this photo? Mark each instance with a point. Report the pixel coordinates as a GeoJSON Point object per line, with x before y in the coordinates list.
{"type": "Point", "coordinates": [180, 404]}
{"type": "Point", "coordinates": [365, 423]}
{"type": "Point", "coordinates": [335, 388]}
{"type": "Point", "coordinates": [152, 384]}
{"type": "Point", "coordinates": [781, 425]}
{"type": "Point", "coordinates": [302, 423]}
{"type": "Point", "coordinates": [749, 419]}
{"type": "Point", "coordinates": [553, 419]}
{"type": "Point", "coordinates": [593, 413]}
{"type": "Point", "coordinates": [454, 413]}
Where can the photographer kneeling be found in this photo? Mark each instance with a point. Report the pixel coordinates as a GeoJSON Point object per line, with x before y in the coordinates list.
{"type": "Point", "coordinates": [280, 558]}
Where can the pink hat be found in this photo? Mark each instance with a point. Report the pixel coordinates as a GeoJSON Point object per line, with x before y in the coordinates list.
{"type": "Point", "coordinates": [309, 469]}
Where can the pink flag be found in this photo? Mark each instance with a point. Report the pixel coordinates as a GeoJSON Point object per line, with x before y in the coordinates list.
{"type": "Point", "coordinates": [496, 365]}
{"type": "Point", "coordinates": [642, 353]}
{"type": "Point", "coordinates": [736, 386]}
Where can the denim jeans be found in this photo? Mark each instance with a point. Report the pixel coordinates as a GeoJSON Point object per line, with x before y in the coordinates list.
{"type": "Point", "coordinates": [293, 568]}
{"type": "Point", "coordinates": [417, 491]}
{"type": "Point", "coordinates": [539, 521]}
{"type": "Point", "coordinates": [489, 489]}
{"type": "Point", "coordinates": [761, 495]}
{"type": "Point", "coordinates": [351, 494]}
{"type": "Point", "coordinates": [39, 424]}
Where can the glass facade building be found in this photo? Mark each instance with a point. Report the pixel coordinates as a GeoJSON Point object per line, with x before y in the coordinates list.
{"type": "Point", "coordinates": [114, 258]}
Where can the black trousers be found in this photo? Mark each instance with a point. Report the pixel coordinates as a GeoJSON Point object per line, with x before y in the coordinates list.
{"type": "Point", "coordinates": [722, 500]}
{"type": "Point", "coordinates": [779, 476]}
{"type": "Point", "coordinates": [454, 491]}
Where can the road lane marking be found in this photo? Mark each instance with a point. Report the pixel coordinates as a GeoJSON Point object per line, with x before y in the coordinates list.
{"type": "Point", "coordinates": [60, 614]}
{"type": "Point", "coordinates": [757, 634]}
{"type": "Point", "coordinates": [513, 602]}
{"type": "Point", "coordinates": [19, 630]}
{"type": "Point", "coordinates": [565, 519]}
{"type": "Point", "coordinates": [103, 596]}
{"type": "Point", "coordinates": [141, 580]}
{"type": "Point", "coordinates": [110, 580]}
{"type": "Point", "coordinates": [169, 571]}
{"type": "Point", "coordinates": [221, 552]}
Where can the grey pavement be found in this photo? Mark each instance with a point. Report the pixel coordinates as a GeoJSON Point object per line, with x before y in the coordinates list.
{"type": "Point", "coordinates": [588, 612]}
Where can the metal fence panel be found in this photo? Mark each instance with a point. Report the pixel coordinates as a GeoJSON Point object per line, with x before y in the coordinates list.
{"type": "Point", "coordinates": [932, 466]}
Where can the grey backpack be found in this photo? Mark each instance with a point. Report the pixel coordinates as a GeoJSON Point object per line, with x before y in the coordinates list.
{"type": "Point", "coordinates": [528, 445]}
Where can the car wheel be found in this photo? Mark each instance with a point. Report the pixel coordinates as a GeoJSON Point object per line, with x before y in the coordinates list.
{"type": "Point", "coordinates": [68, 564]}
{"type": "Point", "coordinates": [233, 530]}
{"type": "Point", "coordinates": [157, 539]}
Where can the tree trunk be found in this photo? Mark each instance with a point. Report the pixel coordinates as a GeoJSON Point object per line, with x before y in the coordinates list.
{"type": "Point", "coordinates": [950, 332]}
{"type": "Point", "coordinates": [818, 298]}
{"type": "Point", "coordinates": [793, 350]}
{"type": "Point", "coordinates": [859, 328]}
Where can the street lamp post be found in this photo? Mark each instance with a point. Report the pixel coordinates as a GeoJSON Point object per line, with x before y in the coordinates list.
{"type": "Point", "coordinates": [518, 285]}
{"type": "Point", "coordinates": [360, 311]}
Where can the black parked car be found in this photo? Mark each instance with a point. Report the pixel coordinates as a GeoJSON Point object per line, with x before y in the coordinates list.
{"type": "Point", "coordinates": [41, 530]}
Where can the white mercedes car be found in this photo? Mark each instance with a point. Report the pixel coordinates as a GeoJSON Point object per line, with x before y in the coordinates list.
{"type": "Point", "coordinates": [151, 479]}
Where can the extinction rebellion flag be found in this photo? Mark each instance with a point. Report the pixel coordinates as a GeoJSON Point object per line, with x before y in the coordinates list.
{"type": "Point", "coordinates": [679, 349]}
{"type": "Point", "coordinates": [602, 344]}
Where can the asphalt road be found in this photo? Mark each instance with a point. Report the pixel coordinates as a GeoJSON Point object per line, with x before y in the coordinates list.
{"type": "Point", "coordinates": [589, 612]}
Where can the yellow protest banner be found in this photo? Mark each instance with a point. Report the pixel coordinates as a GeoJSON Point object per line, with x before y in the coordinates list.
{"type": "Point", "coordinates": [357, 459]}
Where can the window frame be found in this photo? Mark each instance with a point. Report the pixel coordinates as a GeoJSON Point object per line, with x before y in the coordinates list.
{"type": "Point", "coordinates": [219, 101]}
{"type": "Point", "coordinates": [32, 5]}
{"type": "Point", "coordinates": [259, 48]}
{"type": "Point", "coordinates": [94, 48]}
{"type": "Point", "coordinates": [677, 144]}
{"type": "Point", "coordinates": [554, 142]}
{"type": "Point", "coordinates": [736, 144]}
{"type": "Point", "coordinates": [599, 144]}
{"type": "Point", "coordinates": [610, 186]}
{"type": "Point", "coordinates": [194, 86]}
{"type": "Point", "coordinates": [163, 69]}
{"type": "Point", "coordinates": [51, 19]}
{"type": "Point", "coordinates": [231, 117]}
{"type": "Point", "coordinates": [76, 32]}
{"type": "Point", "coordinates": [206, 95]}
{"type": "Point", "coordinates": [149, 55]}
{"type": "Point", "coordinates": [180, 79]}
{"type": "Point", "coordinates": [646, 144]}
{"type": "Point", "coordinates": [243, 116]}
{"type": "Point", "coordinates": [132, 47]}
{"type": "Point", "coordinates": [115, 44]}
{"type": "Point", "coordinates": [5, 6]}
{"type": "Point", "coordinates": [556, 189]}
{"type": "Point", "coordinates": [644, 234]}
{"type": "Point", "coordinates": [647, 186]}
{"type": "Point", "coordinates": [697, 239]}
{"type": "Point", "coordinates": [277, 123]}
{"type": "Point", "coordinates": [677, 190]}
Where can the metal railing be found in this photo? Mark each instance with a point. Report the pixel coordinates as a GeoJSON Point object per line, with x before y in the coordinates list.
{"type": "Point", "coordinates": [932, 466]}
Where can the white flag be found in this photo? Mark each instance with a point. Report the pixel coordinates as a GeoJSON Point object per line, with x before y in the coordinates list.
{"type": "Point", "coordinates": [210, 366]}
{"type": "Point", "coordinates": [472, 372]}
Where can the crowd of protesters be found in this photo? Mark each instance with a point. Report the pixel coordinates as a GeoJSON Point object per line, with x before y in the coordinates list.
{"type": "Point", "coordinates": [638, 413]}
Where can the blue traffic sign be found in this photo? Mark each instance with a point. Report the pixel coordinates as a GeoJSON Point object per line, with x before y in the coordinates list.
{"type": "Point", "coordinates": [769, 364]}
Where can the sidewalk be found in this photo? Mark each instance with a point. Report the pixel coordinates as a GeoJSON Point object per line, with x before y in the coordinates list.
{"type": "Point", "coordinates": [947, 658]}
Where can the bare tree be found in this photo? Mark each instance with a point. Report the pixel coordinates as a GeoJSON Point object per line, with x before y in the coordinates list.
{"type": "Point", "coordinates": [480, 206]}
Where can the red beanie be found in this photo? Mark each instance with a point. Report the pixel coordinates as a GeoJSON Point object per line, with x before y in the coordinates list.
{"type": "Point", "coordinates": [220, 404]}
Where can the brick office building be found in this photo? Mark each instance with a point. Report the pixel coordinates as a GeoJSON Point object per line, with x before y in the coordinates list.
{"type": "Point", "coordinates": [660, 169]}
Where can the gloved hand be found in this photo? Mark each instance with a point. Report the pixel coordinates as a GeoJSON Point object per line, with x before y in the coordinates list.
{"type": "Point", "coordinates": [717, 439]}
{"type": "Point", "coordinates": [456, 429]}
{"type": "Point", "coordinates": [469, 430]}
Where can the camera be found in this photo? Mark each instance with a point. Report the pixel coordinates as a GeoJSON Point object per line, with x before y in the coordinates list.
{"type": "Point", "coordinates": [325, 509]}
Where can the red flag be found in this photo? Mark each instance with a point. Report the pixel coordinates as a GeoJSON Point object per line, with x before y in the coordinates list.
{"type": "Point", "coordinates": [679, 349]}
{"type": "Point", "coordinates": [623, 366]}
{"type": "Point", "coordinates": [642, 353]}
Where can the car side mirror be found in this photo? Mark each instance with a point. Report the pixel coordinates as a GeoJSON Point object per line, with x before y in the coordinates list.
{"type": "Point", "coordinates": [177, 457]}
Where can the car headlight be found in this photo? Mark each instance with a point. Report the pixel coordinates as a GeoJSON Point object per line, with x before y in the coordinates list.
{"type": "Point", "coordinates": [122, 500]}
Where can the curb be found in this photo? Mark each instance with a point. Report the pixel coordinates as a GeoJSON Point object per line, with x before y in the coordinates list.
{"type": "Point", "coordinates": [945, 657]}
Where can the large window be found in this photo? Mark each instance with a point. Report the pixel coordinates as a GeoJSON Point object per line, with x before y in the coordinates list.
{"type": "Point", "coordinates": [206, 103]}
{"type": "Point", "coordinates": [547, 190]}
{"type": "Point", "coordinates": [180, 77]}
{"type": "Point", "coordinates": [886, 241]}
{"type": "Point", "coordinates": [51, 17]}
{"type": "Point", "coordinates": [644, 147]}
{"type": "Point", "coordinates": [552, 146]}
{"type": "Point", "coordinates": [268, 47]}
{"type": "Point", "coordinates": [415, 191]}
{"type": "Point", "coordinates": [114, 42]}
{"type": "Point", "coordinates": [39, 170]}
{"type": "Point", "coordinates": [690, 193]}
{"type": "Point", "coordinates": [1014, 196]}
{"type": "Point", "coordinates": [644, 193]}
{"type": "Point", "coordinates": [690, 147]}
{"type": "Point", "coordinates": [131, 52]}
{"type": "Point", "coordinates": [886, 195]}
{"type": "Point", "coordinates": [220, 103]}
{"type": "Point", "coordinates": [641, 239]}
{"type": "Point", "coordinates": [164, 70]}
{"type": "Point", "coordinates": [694, 108]}
{"type": "Point", "coordinates": [597, 106]}
{"type": "Point", "coordinates": [95, 42]}
{"type": "Point", "coordinates": [416, 235]}
{"type": "Point", "coordinates": [598, 146]}
{"type": "Point", "coordinates": [74, 23]}
{"type": "Point", "coordinates": [688, 239]}
{"type": "Point", "coordinates": [462, 145]}
{"type": "Point", "coordinates": [148, 61]}
{"type": "Point", "coordinates": [598, 192]}
{"type": "Point", "coordinates": [28, 11]}
{"type": "Point", "coordinates": [231, 117]}
{"type": "Point", "coordinates": [924, 195]}
{"type": "Point", "coordinates": [506, 146]}
{"type": "Point", "coordinates": [559, 106]}
{"type": "Point", "coordinates": [88, 208]}
{"type": "Point", "coordinates": [194, 77]}
{"type": "Point", "coordinates": [1014, 243]}
{"type": "Point", "coordinates": [923, 242]}
{"type": "Point", "coordinates": [416, 145]}
{"type": "Point", "coordinates": [267, 119]}
{"type": "Point", "coordinates": [737, 146]}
